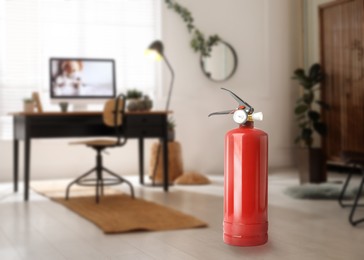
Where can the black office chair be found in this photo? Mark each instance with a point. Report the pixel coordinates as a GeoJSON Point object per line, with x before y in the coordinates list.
{"type": "Point", "coordinates": [113, 116]}
{"type": "Point", "coordinates": [355, 160]}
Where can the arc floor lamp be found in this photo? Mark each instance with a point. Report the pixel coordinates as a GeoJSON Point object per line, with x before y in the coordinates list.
{"type": "Point", "coordinates": [156, 49]}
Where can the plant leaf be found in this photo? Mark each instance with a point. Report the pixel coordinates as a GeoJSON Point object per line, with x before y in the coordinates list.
{"type": "Point", "coordinates": [299, 73]}
{"type": "Point", "coordinates": [304, 81]}
{"type": "Point", "coordinates": [303, 124]}
{"type": "Point", "coordinates": [306, 132]}
{"type": "Point", "coordinates": [320, 128]}
{"type": "Point", "coordinates": [313, 115]}
{"type": "Point", "coordinates": [322, 104]}
{"type": "Point", "coordinates": [306, 135]}
{"type": "Point", "coordinates": [300, 109]}
{"type": "Point", "coordinates": [316, 74]}
{"type": "Point", "coordinates": [308, 97]}
{"type": "Point", "coordinates": [300, 117]}
{"type": "Point", "coordinates": [314, 70]}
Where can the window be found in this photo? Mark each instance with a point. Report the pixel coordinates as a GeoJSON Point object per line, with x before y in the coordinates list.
{"type": "Point", "coordinates": [32, 31]}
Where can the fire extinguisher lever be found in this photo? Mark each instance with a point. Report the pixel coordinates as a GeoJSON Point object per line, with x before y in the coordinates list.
{"type": "Point", "coordinates": [247, 108]}
{"type": "Point", "coordinates": [226, 112]}
{"type": "Point", "coordinates": [243, 106]}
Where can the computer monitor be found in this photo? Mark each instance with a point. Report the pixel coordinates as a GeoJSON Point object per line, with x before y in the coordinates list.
{"type": "Point", "coordinates": [81, 81]}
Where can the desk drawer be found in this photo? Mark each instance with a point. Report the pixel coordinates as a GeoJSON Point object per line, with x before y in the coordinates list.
{"type": "Point", "coordinates": [144, 132]}
{"type": "Point", "coordinates": [68, 126]}
{"type": "Point", "coordinates": [66, 120]}
{"type": "Point", "coordinates": [145, 120]}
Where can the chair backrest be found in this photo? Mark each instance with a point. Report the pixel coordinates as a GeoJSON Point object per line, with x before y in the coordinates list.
{"type": "Point", "coordinates": [113, 115]}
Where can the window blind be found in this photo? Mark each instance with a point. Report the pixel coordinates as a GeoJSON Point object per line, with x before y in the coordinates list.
{"type": "Point", "coordinates": [32, 31]}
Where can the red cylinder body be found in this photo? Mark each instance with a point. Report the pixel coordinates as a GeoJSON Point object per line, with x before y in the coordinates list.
{"type": "Point", "coordinates": [246, 186]}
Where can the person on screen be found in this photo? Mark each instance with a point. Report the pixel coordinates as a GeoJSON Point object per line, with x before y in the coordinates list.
{"type": "Point", "coordinates": [69, 80]}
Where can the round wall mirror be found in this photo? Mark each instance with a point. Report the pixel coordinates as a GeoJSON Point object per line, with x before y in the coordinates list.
{"type": "Point", "coordinates": [221, 64]}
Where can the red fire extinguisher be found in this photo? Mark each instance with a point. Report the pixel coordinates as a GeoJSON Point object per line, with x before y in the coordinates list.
{"type": "Point", "coordinates": [245, 178]}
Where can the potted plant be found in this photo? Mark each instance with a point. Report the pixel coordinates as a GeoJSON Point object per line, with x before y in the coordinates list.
{"type": "Point", "coordinates": [137, 102]}
{"type": "Point", "coordinates": [147, 103]}
{"type": "Point", "coordinates": [63, 106]}
{"type": "Point", "coordinates": [309, 120]}
{"type": "Point", "coordinates": [171, 129]}
{"type": "Point", "coordinates": [132, 97]}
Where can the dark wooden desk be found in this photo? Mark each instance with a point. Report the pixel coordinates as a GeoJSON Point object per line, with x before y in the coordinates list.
{"type": "Point", "coordinates": [28, 126]}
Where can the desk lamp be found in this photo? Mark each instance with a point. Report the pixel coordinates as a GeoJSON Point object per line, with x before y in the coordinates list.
{"type": "Point", "coordinates": [156, 50]}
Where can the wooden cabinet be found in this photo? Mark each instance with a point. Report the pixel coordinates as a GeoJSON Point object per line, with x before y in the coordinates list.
{"type": "Point", "coordinates": [342, 58]}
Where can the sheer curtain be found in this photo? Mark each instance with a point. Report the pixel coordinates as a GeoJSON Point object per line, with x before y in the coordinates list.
{"type": "Point", "coordinates": [32, 31]}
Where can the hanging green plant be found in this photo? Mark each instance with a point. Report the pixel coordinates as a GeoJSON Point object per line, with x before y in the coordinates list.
{"type": "Point", "coordinates": [199, 42]}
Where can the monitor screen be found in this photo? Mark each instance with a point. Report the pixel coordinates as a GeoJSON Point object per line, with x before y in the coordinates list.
{"type": "Point", "coordinates": [82, 78]}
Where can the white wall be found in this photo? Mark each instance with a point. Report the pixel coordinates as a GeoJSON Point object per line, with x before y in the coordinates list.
{"type": "Point", "coordinates": [266, 37]}
{"type": "Point", "coordinates": [312, 33]}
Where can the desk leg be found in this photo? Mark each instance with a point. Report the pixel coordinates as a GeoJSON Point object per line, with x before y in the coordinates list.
{"type": "Point", "coordinates": [165, 163]}
{"type": "Point", "coordinates": [141, 160]}
{"type": "Point", "coordinates": [26, 167]}
{"type": "Point", "coordinates": [15, 163]}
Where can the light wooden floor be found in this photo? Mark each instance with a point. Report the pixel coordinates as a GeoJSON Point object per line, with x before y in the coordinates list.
{"type": "Point", "coordinates": [41, 229]}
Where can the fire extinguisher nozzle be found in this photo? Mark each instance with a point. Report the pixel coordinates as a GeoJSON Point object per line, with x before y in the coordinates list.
{"type": "Point", "coordinates": [257, 116]}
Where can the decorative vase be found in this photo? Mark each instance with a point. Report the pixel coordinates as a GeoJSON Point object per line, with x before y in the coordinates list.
{"type": "Point", "coordinates": [132, 104]}
{"type": "Point", "coordinates": [311, 165]}
{"type": "Point", "coordinates": [139, 104]}
{"type": "Point", "coordinates": [148, 103]}
{"type": "Point", "coordinates": [63, 106]}
{"type": "Point", "coordinates": [171, 135]}
{"type": "Point", "coordinates": [28, 107]}
{"type": "Point", "coordinates": [175, 163]}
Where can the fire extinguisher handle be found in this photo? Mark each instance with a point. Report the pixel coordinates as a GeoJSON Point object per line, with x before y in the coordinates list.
{"type": "Point", "coordinates": [248, 108]}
